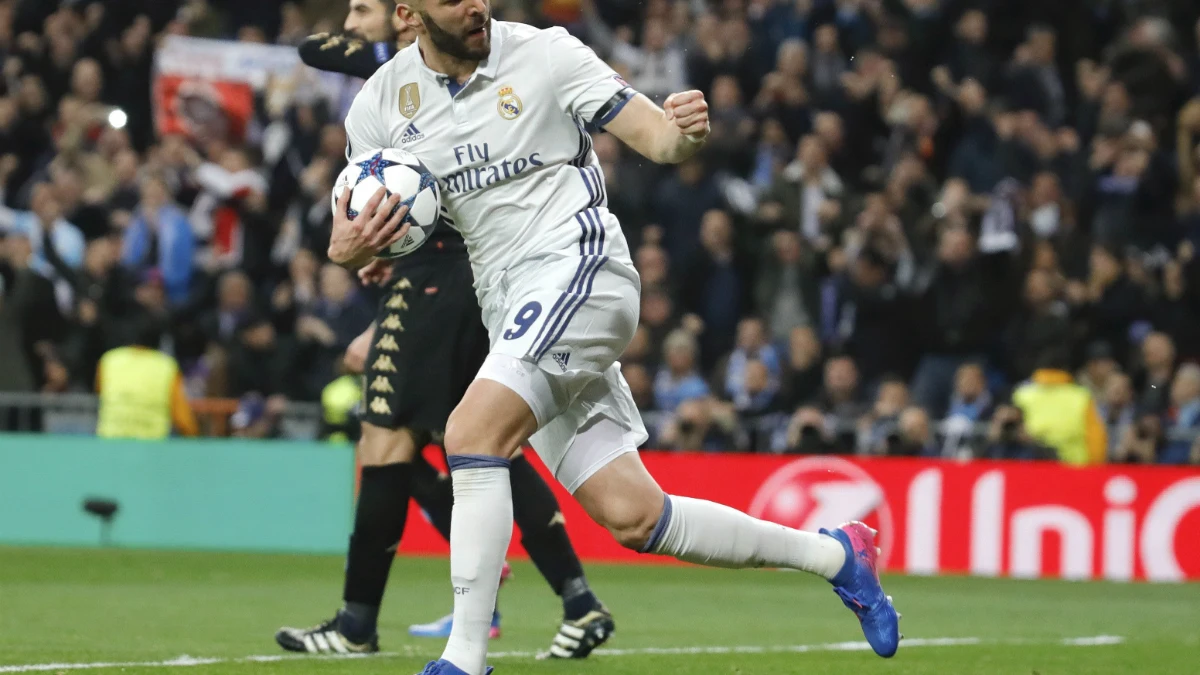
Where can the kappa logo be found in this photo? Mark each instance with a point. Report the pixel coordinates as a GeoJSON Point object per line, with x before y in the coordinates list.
{"type": "Point", "coordinates": [817, 492]}
{"type": "Point", "coordinates": [387, 343]}
{"type": "Point", "coordinates": [380, 406]}
{"type": "Point", "coordinates": [392, 322]}
{"type": "Point", "coordinates": [397, 302]}
{"type": "Point", "coordinates": [411, 133]}
{"type": "Point", "coordinates": [382, 384]}
{"type": "Point", "coordinates": [561, 358]}
{"type": "Point", "coordinates": [384, 364]}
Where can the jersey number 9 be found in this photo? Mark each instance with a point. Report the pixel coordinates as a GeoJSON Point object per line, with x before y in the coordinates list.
{"type": "Point", "coordinates": [523, 320]}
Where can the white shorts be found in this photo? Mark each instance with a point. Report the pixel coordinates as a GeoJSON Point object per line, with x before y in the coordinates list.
{"type": "Point", "coordinates": [556, 327]}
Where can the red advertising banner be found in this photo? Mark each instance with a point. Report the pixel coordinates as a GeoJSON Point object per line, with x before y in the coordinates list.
{"type": "Point", "coordinates": [1015, 519]}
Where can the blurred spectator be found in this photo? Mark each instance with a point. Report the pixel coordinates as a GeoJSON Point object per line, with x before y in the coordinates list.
{"type": "Point", "coordinates": [1008, 438]}
{"type": "Point", "coordinates": [30, 324]}
{"type": "Point", "coordinates": [1183, 416]}
{"type": "Point", "coordinates": [1158, 369]}
{"type": "Point", "coordinates": [842, 398]}
{"type": "Point", "coordinates": [701, 424]}
{"type": "Point", "coordinates": [803, 372]}
{"type": "Point", "coordinates": [257, 417]}
{"type": "Point", "coordinates": [913, 436]}
{"type": "Point", "coordinates": [678, 379]}
{"type": "Point", "coordinates": [1117, 409]}
{"type": "Point", "coordinates": [640, 385]}
{"type": "Point", "coordinates": [141, 391]}
{"type": "Point", "coordinates": [325, 331]}
{"type": "Point", "coordinates": [1099, 367]}
{"type": "Point", "coordinates": [1061, 414]}
{"type": "Point", "coordinates": [159, 236]}
{"type": "Point", "coordinates": [681, 202]}
{"type": "Point", "coordinates": [858, 309]}
{"type": "Point", "coordinates": [57, 245]}
{"type": "Point", "coordinates": [1041, 323]}
{"type": "Point", "coordinates": [1109, 301]}
{"type": "Point", "coordinates": [809, 433]}
{"type": "Point", "coordinates": [716, 286]}
{"type": "Point", "coordinates": [1035, 83]}
{"type": "Point", "coordinates": [786, 290]}
{"type": "Point", "coordinates": [960, 323]}
{"type": "Point", "coordinates": [882, 421]}
{"type": "Point", "coordinates": [752, 345]}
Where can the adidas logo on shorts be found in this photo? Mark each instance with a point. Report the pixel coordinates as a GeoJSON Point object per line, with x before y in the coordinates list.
{"type": "Point", "coordinates": [561, 359]}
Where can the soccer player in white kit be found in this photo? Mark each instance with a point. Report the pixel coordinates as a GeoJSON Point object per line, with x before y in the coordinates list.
{"type": "Point", "coordinates": [497, 111]}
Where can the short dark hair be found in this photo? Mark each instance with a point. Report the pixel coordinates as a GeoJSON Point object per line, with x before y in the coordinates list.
{"type": "Point", "coordinates": [148, 332]}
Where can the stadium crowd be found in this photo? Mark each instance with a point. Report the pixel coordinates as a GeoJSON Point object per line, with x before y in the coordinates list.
{"type": "Point", "coordinates": [906, 209]}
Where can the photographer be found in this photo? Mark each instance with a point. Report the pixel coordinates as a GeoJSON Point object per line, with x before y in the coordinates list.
{"type": "Point", "coordinates": [703, 424]}
{"type": "Point", "coordinates": [1007, 438]}
{"type": "Point", "coordinates": [809, 433]}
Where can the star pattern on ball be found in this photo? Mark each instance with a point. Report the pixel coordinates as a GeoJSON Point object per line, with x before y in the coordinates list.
{"type": "Point", "coordinates": [374, 167]}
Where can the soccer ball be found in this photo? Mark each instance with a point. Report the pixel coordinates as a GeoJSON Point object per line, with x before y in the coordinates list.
{"type": "Point", "coordinates": [400, 172]}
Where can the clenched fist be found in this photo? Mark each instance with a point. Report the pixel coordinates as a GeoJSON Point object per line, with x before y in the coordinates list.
{"type": "Point", "coordinates": [689, 111]}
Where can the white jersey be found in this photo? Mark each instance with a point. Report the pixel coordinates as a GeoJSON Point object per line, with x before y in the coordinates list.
{"type": "Point", "coordinates": [518, 176]}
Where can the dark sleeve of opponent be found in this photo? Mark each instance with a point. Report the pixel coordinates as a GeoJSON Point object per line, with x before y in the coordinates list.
{"type": "Point", "coordinates": [341, 54]}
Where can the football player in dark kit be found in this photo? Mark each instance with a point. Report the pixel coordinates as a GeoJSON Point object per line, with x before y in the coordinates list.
{"type": "Point", "coordinates": [424, 349]}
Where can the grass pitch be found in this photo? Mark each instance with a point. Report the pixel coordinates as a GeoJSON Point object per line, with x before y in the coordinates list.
{"type": "Point", "coordinates": [156, 612]}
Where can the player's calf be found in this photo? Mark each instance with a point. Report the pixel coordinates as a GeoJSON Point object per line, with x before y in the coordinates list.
{"type": "Point", "coordinates": [626, 500]}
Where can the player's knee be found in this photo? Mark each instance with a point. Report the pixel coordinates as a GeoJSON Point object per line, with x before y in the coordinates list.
{"type": "Point", "coordinates": [380, 447]}
{"type": "Point", "coordinates": [490, 420]}
{"type": "Point", "coordinates": [632, 522]}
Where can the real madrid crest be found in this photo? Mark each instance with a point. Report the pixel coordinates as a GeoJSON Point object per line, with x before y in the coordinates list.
{"type": "Point", "coordinates": [509, 104]}
{"type": "Point", "coordinates": [410, 100]}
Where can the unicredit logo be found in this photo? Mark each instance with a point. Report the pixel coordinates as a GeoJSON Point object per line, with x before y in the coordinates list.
{"type": "Point", "coordinates": [817, 492]}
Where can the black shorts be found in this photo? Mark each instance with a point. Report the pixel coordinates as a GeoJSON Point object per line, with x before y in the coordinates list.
{"type": "Point", "coordinates": [429, 343]}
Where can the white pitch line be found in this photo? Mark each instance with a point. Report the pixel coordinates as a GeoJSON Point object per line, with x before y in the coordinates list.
{"type": "Point", "coordinates": [189, 661]}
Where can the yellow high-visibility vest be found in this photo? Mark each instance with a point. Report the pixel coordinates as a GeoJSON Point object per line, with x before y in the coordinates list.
{"type": "Point", "coordinates": [136, 385]}
{"type": "Point", "coordinates": [1057, 415]}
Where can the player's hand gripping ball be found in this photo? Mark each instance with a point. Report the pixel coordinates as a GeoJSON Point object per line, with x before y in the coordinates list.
{"type": "Point", "coordinates": [399, 173]}
{"type": "Point", "coordinates": [689, 111]}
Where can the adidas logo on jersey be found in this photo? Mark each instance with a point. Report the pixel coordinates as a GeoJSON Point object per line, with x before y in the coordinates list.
{"type": "Point", "coordinates": [411, 133]}
{"type": "Point", "coordinates": [561, 359]}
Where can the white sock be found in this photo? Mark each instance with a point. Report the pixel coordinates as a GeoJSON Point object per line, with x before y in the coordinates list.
{"type": "Point", "coordinates": [480, 529]}
{"type": "Point", "coordinates": [707, 533]}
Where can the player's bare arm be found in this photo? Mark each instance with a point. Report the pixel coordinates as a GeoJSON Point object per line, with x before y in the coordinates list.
{"type": "Point", "coordinates": [355, 359]}
{"type": "Point", "coordinates": [355, 241]}
{"type": "Point", "coordinates": [666, 135]}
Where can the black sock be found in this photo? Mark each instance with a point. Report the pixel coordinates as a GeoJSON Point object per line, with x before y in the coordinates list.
{"type": "Point", "coordinates": [578, 599]}
{"type": "Point", "coordinates": [378, 525]}
{"type": "Point", "coordinates": [434, 493]}
{"type": "Point", "coordinates": [544, 536]}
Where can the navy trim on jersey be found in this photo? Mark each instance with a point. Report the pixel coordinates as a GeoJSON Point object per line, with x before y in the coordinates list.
{"type": "Point", "coordinates": [454, 87]}
{"type": "Point", "coordinates": [609, 110]}
{"type": "Point", "coordinates": [595, 185]}
{"type": "Point", "coordinates": [585, 145]}
{"type": "Point", "coordinates": [588, 219]}
{"type": "Point", "coordinates": [591, 243]}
